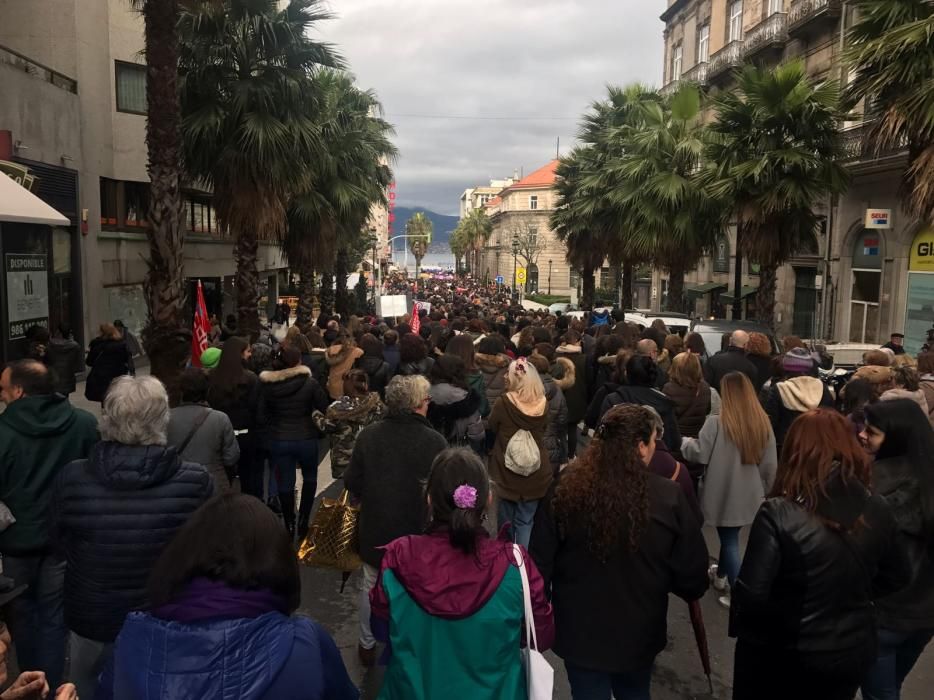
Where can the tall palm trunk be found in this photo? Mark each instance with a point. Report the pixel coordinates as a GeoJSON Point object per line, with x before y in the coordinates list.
{"type": "Point", "coordinates": [628, 271]}
{"type": "Point", "coordinates": [341, 297]}
{"type": "Point", "coordinates": [326, 296]}
{"type": "Point", "coordinates": [166, 337]}
{"type": "Point", "coordinates": [589, 284]}
{"type": "Point", "coordinates": [765, 295]}
{"type": "Point", "coordinates": [676, 271]}
{"type": "Point", "coordinates": [245, 252]}
{"type": "Point", "coordinates": [306, 295]}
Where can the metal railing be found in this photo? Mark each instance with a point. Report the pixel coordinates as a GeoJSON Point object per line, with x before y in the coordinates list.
{"type": "Point", "coordinates": [27, 65]}
{"type": "Point", "coordinates": [772, 30]}
{"type": "Point", "coordinates": [857, 145]}
{"type": "Point", "coordinates": [697, 74]}
{"type": "Point", "coordinates": [805, 10]}
{"type": "Point", "coordinates": [730, 56]}
{"type": "Point", "coordinates": [669, 88]}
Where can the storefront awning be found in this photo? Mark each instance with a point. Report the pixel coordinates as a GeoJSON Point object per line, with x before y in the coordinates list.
{"type": "Point", "coordinates": [727, 297]}
{"type": "Point", "coordinates": [700, 290]}
{"type": "Point", "coordinates": [19, 205]}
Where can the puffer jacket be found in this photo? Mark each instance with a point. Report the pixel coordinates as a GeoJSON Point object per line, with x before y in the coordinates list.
{"type": "Point", "coordinates": [455, 413]}
{"type": "Point", "coordinates": [556, 431]}
{"type": "Point", "coordinates": [691, 406]}
{"type": "Point", "coordinates": [108, 359]}
{"type": "Point", "coordinates": [113, 513]}
{"type": "Point", "coordinates": [242, 404]}
{"type": "Point", "coordinates": [493, 368]}
{"type": "Point", "coordinates": [422, 367]}
{"type": "Point", "coordinates": [343, 421]}
{"type": "Point", "coordinates": [212, 443]}
{"type": "Point", "coordinates": [804, 587]}
{"type": "Point", "coordinates": [577, 395]}
{"type": "Point", "coordinates": [287, 400]}
{"type": "Point", "coordinates": [318, 364]}
{"type": "Point", "coordinates": [63, 356]}
{"type": "Point", "coordinates": [647, 396]}
{"type": "Point", "coordinates": [339, 360]}
{"type": "Point", "coordinates": [377, 371]}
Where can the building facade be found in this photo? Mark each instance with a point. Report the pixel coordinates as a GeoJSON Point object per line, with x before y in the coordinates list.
{"type": "Point", "coordinates": [477, 197]}
{"type": "Point", "coordinates": [865, 276]}
{"type": "Point", "coordinates": [73, 115]}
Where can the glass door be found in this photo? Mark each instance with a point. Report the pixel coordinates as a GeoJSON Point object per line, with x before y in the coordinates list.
{"type": "Point", "coordinates": [864, 306]}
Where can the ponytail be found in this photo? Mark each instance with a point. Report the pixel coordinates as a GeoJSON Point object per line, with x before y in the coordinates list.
{"type": "Point", "coordinates": [458, 491]}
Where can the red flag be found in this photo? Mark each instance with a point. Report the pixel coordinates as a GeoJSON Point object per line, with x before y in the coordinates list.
{"type": "Point", "coordinates": [416, 323]}
{"type": "Point", "coordinates": [200, 329]}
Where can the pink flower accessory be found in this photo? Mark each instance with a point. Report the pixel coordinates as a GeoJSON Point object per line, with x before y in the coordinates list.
{"type": "Point", "coordinates": [521, 365]}
{"type": "Point", "coordinates": [465, 497]}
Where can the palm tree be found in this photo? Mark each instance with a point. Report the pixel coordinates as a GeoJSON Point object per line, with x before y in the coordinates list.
{"type": "Point", "coordinates": [346, 180]}
{"type": "Point", "coordinates": [478, 227]}
{"type": "Point", "coordinates": [246, 84]}
{"type": "Point", "coordinates": [459, 243]}
{"type": "Point", "coordinates": [419, 229]}
{"type": "Point", "coordinates": [670, 214]}
{"type": "Point", "coordinates": [892, 42]}
{"type": "Point", "coordinates": [167, 335]}
{"type": "Point", "coordinates": [774, 158]}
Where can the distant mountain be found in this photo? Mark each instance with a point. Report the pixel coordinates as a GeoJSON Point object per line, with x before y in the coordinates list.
{"type": "Point", "coordinates": [443, 225]}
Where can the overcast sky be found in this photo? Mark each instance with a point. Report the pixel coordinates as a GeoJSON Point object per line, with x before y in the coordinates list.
{"type": "Point", "coordinates": [537, 62]}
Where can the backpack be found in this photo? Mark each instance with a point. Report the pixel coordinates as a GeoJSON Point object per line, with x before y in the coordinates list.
{"type": "Point", "coordinates": [522, 456]}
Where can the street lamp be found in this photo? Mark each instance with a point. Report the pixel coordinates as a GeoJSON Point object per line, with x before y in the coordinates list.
{"type": "Point", "coordinates": [549, 276]}
{"type": "Point", "coordinates": [374, 239]}
{"type": "Point", "coordinates": [515, 269]}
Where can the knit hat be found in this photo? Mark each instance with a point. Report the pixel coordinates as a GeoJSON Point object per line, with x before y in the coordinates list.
{"type": "Point", "coordinates": [797, 361]}
{"type": "Point", "coordinates": [210, 358]}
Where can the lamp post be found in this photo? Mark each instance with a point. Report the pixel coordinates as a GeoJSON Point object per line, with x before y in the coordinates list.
{"type": "Point", "coordinates": [374, 239]}
{"type": "Point", "coordinates": [515, 256]}
{"type": "Point", "coordinates": [549, 276]}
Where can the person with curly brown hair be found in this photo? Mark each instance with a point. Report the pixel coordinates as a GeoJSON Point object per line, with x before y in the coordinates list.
{"type": "Point", "coordinates": [612, 540]}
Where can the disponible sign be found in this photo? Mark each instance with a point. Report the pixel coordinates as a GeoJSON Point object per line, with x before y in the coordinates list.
{"type": "Point", "coordinates": [878, 218]}
{"type": "Point", "coordinates": [27, 289]}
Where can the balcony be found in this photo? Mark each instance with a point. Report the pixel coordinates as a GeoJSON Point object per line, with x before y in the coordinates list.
{"type": "Point", "coordinates": [809, 18]}
{"type": "Point", "coordinates": [770, 35]}
{"type": "Point", "coordinates": [697, 74]}
{"type": "Point", "coordinates": [860, 150]}
{"type": "Point", "coordinates": [669, 88]}
{"type": "Point", "coordinates": [723, 62]}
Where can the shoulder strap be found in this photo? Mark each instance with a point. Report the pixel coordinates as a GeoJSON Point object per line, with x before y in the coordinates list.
{"type": "Point", "coordinates": [194, 430]}
{"type": "Point", "coordinates": [674, 477]}
{"type": "Point", "coordinates": [530, 636]}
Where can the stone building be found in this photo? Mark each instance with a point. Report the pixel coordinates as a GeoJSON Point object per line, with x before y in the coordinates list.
{"type": "Point", "coordinates": [477, 197]}
{"type": "Point", "coordinates": [73, 116]}
{"type": "Point", "coordinates": [870, 271]}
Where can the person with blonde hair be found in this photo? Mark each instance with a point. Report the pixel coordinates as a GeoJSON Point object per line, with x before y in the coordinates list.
{"type": "Point", "coordinates": [738, 447]}
{"type": "Point", "coordinates": [519, 462]}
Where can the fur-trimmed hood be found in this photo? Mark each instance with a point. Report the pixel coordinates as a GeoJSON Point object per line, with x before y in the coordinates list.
{"type": "Point", "coordinates": [607, 359]}
{"type": "Point", "coordinates": [354, 409]}
{"type": "Point", "coordinates": [271, 376]}
{"type": "Point", "coordinates": [491, 363]}
{"type": "Point", "coordinates": [564, 373]}
{"type": "Point", "coordinates": [337, 354]}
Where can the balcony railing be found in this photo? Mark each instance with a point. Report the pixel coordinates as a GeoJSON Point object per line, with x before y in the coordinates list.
{"type": "Point", "coordinates": [803, 12]}
{"type": "Point", "coordinates": [858, 146]}
{"type": "Point", "coordinates": [697, 74]}
{"type": "Point", "coordinates": [727, 58]}
{"type": "Point", "coordinates": [27, 65]}
{"type": "Point", "coordinates": [770, 32]}
{"type": "Point", "coordinates": [670, 88]}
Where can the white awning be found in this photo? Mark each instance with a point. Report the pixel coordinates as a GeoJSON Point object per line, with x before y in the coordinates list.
{"type": "Point", "coordinates": [19, 205]}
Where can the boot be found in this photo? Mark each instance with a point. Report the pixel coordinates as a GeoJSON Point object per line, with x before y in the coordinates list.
{"type": "Point", "coordinates": [287, 501]}
{"type": "Point", "coordinates": [304, 508]}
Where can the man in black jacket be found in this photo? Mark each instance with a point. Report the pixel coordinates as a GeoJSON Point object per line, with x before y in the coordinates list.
{"type": "Point", "coordinates": [733, 359]}
{"type": "Point", "coordinates": [389, 466]}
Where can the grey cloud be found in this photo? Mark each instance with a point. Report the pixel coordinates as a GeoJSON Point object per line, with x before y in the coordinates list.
{"type": "Point", "coordinates": [486, 58]}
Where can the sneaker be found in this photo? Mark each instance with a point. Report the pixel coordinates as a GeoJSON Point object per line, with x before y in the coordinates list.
{"type": "Point", "coordinates": [719, 583]}
{"type": "Point", "coordinates": [724, 600]}
{"type": "Point", "coordinates": [367, 656]}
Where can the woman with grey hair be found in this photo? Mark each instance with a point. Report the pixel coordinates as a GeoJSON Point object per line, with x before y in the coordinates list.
{"type": "Point", "coordinates": [113, 513]}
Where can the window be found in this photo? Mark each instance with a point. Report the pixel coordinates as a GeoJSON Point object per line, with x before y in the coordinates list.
{"type": "Point", "coordinates": [533, 236]}
{"type": "Point", "coordinates": [735, 21]}
{"type": "Point", "coordinates": [677, 59]}
{"type": "Point", "coordinates": [108, 202]}
{"type": "Point", "coordinates": [776, 6]}
{"type": "Point", "coordinates": [131, 87]}
{"type": "Point", "coordinates": [703, 44]}
{"type": "Point", "coordinates": [533, 201]}
{"type": "Point", "coordinates": [137, 202]}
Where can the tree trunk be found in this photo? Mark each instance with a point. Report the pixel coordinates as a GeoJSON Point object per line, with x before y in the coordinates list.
{"type": "Point", "coordinates": [765, 296]}
{"type": "Point", "coordinates": [589, 283]}
{"type": "Point", "coordinates": [628, 272]}
{"type": "Point", "coordinates": [341, 297]}
{"type": "Point", "coordinates": [167, 336]}
{"type": "Point", "coordinates": [738, 274]}
{"type": "Point", "coordinates": [306, 295]}
{"type": "Point", "coordinates": [676, 285]}
{"type": "Point", "coordinates": [326, 296]}
{"type": "Point", "coordinates": [245, 253]}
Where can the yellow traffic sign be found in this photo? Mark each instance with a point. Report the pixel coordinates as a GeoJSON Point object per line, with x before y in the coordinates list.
{"type": "Point", "coordinates": [520, 275]}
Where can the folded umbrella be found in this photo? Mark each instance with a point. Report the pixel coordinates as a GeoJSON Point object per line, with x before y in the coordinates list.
{"type": "Point", "coordinates": [700, 636]}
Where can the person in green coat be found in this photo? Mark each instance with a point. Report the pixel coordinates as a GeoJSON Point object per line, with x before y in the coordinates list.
{"type": "Point", "coordinates": [458, 591]}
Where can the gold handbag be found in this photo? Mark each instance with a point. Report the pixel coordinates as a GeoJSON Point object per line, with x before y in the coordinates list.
{"type": "Point", "coordinates": [331, 540]}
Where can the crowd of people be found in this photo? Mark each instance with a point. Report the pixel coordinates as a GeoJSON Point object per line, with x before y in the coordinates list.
{"type": "Point", "coordinates": [484, 444]}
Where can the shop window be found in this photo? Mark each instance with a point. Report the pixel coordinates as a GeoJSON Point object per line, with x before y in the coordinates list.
{"type": "Point", "coordinates": [108, 195]}
{"type": "Point", "coordinates": [130, 87]}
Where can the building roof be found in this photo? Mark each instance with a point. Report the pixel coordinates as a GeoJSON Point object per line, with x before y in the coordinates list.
{"type": "Point", "coordinates": [493, 202]}
{"type": "Point", "coordinates": [543, 177]}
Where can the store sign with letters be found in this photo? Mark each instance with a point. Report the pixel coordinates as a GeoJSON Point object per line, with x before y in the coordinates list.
{"type": "Point", "coordinates": [921, 258]}
{"type": "Point", "coordinates": [27, 288]}
{"type": "Point", "coordinates": [878, 218]}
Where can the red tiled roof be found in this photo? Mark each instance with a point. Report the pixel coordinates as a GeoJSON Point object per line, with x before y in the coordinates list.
{"type": "Point", "coordinates": [493, 202]}
{"type": "Point", "coordinates": [543, 177]}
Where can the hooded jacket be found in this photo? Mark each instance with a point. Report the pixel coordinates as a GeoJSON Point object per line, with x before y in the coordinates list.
{"type": "Point", "coordinates": [39, 435]}
{"type": "Point", "coordinates": [422, 367]}
{"type": "Point", "coordinates": [493, 368]}
{"type": "Point", "coordinates": [242, 405]}
{"type": "Point", "coordinates": [343, 422]}
{"type": "Point", "coordinates": [317, 362]}
{"type": "Point", "coordinates": [647, 396]}
{"type": "Point", "coordinates": [63, 356]}
{"type": "Point", "coordinates": [288, 398]}
{"type": "Point", "coordinates": [789, 399]}
{"type": "Point", "coordinates": [556, 431]}
{"type": "Point", "coordinates": [212, 444]}
{"type": "Point", "coordinates": [455, 413]}
{"type": "Point", "coordinates": [576, 395]}
{"type": "Point", "coordinates": [108, 359]}
{"type": "Point", "coordinates": [470, 608]}
{"type": "Point", "coordinates": [506, 420]}
{"type": "Point", "coordinates": [917, 396]}
{"type": "Point", "coordinates": [377, 372]}
{"type": "Point", "coordinates": [340, 358]}
{"type": "Point", "coordinates": [114, 514]}
{"type": "Point", "coordinates": [691, 406]}
{"type": "Point", "coordinates": [217, 651]}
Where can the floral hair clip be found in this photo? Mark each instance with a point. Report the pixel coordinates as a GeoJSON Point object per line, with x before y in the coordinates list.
{"type": "Point", "coordinates": [465, 497]}
{"type": "Point", "coordinates": [521, 365]}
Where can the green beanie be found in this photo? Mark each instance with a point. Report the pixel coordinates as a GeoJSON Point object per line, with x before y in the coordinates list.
{"type": "Point", "coordinates": [210, 358]}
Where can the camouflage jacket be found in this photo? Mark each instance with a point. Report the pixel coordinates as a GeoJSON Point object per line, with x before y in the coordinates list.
{"type": "Point", "coordinates": [344, 419]}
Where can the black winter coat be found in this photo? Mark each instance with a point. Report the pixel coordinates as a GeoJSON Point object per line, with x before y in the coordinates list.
{"type": "Point", "coordinates": [288, 397]}
{"type": "Point", "coordinates": [378, 372]}
{"type": "Point", "coordinates": [388, 469]}
{"type": "Point", "coordinates": [647, 396]}
{"type": "Point", "coordinates": [730, 360]}
{"type": "Point", "coordinates": [804, 587]}
{"type": "Point", "coordinates": [113, 514]}
{"type": "Point", "coordinates": [691, 406]}
{"type": "Point", "coordinates": [63, 356]}
{"type": "Point", "coordinates": [556, 430]}
{"type": "Point", "coordinates": [108, 359]}
{"type": "Point", "coordinates": [242, 406]}
{"type": "Point", "coordinates": [422, 367]}
{"type": "Point", "coordinates": [763, 367]}
{"type": "Point", "coordinates": [612, 616]}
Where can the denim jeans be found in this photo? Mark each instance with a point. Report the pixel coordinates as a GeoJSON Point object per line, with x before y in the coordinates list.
{"type": "Point", "coordinates": [520, 515]}
{"type": "Point", "coordinates": [598, 685]}
{"type": "Point", "coordinates": [898, 652]}
{"type": "Point", "coordinates": [728, 565]}
{"type": "Point", "coordinates": [367, 581]}
{"type": "Point", "coordinates": [37, 617]}
{"type": "Point", "coordinates": [87, 659]}
{"type": "Point", "coordinates": [285, 454]}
